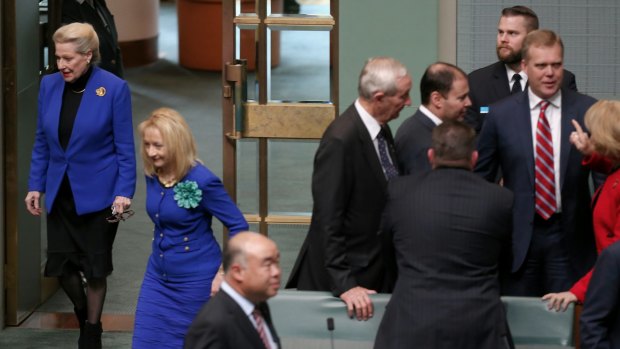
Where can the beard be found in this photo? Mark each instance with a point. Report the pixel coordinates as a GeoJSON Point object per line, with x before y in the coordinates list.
{"type": "Point", "coordinates": [511, 58]}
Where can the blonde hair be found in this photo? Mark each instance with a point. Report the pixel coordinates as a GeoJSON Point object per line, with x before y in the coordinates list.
{"type": "Point", "coordinates": [603, 121]}
{"type": "Point", "coordinates": [82, 35]}
{"type": "Point", "coordinates": [177, 138]}
{"type": "Point", "coordinates": [540, 38]}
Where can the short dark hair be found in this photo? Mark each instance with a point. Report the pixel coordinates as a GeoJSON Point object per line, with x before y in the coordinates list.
{"type": "Point", "coordinates": [438, 77]}
{"type": "Point", "coordinates": [531, 19]}
{"type": "Point", "coordinates": [453, 141]}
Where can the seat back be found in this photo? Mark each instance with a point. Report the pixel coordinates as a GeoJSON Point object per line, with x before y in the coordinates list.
{"type": "Point", "coordinates": [532, 323]}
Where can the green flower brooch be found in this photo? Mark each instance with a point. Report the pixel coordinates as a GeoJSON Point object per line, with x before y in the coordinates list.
{"type": "Point", "coordinates": [187, 194]}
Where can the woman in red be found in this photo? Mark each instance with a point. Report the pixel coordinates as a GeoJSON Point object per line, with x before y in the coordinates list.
{"type": "Point", "coordinates": [601, 153]}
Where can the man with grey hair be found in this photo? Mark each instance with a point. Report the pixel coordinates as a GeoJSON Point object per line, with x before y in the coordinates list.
{"type": "Point", "coordinates": [343, 252]}
{"type": "Point", "coordinates": [238, 315]}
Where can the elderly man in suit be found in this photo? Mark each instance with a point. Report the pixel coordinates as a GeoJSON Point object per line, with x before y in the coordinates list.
{"type": "Point", "coordinates": [342, 252]}
{"type": "Point", "coordinates": [444, 93]}
{"type": "Point", "coordinates": [499, 80]}
{"type": "Point", "coordinates": [527, 136]}
{"type": "Point", "coordinates": [238, 315]}
{"type": "Point", "coordinates": [449, 230]}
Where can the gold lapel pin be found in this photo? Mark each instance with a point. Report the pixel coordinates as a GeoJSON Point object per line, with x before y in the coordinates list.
{"type": "Point", "coordinates": [100, 91]}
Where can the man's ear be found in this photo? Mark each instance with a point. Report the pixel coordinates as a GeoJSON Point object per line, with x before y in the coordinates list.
{"type": "Point", "coordinates": [474, 159]}
{"type": "Point", "coordinates": [378, 96]}
{"type": "Point", "coordinates": [435, 99]}
{"type": "Point", "coordinates": [430, 153]}
{"type": "Point", "coordinates": [236, 271]}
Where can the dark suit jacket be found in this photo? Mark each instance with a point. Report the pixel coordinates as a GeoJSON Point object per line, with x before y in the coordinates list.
{"type": "Point", "coordinates": [449, 228]}
{"type": "Point", "coordinates": [72, 11]}
{"type": "Point", "coordinates": [343, 248]}
{"type": "Point", "coordinates": [489, 85]}
{"type": "Point", "coordinates": [222, 324]}
{"type": "Point", "coordinates": [413, 139]}
{"type": "Point", "coordinates": [506, 142]}
{"type": "Point", "coordinates": [600, 319]}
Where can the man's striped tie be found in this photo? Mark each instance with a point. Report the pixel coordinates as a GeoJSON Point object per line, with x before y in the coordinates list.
{"type": "Point", "coordinates": [546, 203]}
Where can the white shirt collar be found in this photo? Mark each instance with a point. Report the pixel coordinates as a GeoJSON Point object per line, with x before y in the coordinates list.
{"type": "Point", "coordinates": [510, 73]}
{"type": "Point", "coordinates": [555, 100]}
{"type": "Point", "coordinates": [246, 305]}
{"type": "Point", "coordinates": [372, 125]}
{"type": "Point", "coordinates": [430, 115]}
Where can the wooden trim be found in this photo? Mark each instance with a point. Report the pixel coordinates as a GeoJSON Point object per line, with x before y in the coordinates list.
{"type": "Point", "coordinates": [229, 146]}
{"type": "Point", "coordinates": [286, 219]}
{"type": "Point", "coordinates": [9, 127]}
{"type": "Point", "coordinates": [302, 22]}
{"type": "Point", "coordinates": [139, 52]}
{"type": "Point", "coordinates": [294, 120]}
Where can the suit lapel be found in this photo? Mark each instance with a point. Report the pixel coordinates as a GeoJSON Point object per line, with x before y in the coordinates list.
{"type": "Point", "coordinates": [243, 322]}
{"type": "Point", "coordinates": [88, 107]}
{"type": "Point", "coordinates": [368, 147]}
{"type": "Point", "coordinates": [524, 122]}
{"type": "Point", "coordinates": [565, 147]}
{"type": "Point", "coordinates": [57, 89]}
{"type": "Point", "coordinates": [500, 82]}
{"type": "Point", "coordinates": [264, 308]}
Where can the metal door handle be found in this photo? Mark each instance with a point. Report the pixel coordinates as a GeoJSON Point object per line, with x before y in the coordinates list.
{"type": "Point", "coordinates": [236, 77]}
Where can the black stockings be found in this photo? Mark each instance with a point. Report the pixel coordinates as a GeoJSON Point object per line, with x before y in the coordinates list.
{"type": "Point", "coordinates": [92, 299]}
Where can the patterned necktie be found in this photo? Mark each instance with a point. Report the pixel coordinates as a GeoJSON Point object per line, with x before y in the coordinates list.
{"type": "Point", "coordinates": [388, 167]}
{"type": "Point", "coordinates": [546, 203]}
{"type": "Point", "coordinates": [516, 86]}
{"type": "Point", "coordinates": [260, 327]}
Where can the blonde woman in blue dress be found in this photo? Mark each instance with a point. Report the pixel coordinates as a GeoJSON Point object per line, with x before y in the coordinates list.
{"type": "Point", "coordinates": [182, 198]}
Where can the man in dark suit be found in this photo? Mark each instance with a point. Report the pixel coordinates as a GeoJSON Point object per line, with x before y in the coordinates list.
{"type": "Point", "coordinates": [96, 13]}
{"type": "Point", "coordinates": [600, 319]}
{"type": "Point", "coordinates": [238, 315]}
{"type": "Point", "coordinates": [444, 94]}
{"type": "Point", "coordinates": [497, 81]}
{"type": "Point", "coordinates": [527, 136]}
{"type": "Point", "coordinates": [342, 252]}
{"type": "Point", "coordinates": [449, 228]}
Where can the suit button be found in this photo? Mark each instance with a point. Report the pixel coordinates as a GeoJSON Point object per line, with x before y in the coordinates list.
{"type": "Point", "coordinates": [185, 238]}
{"type": "Point", "coordinates": [113, 61]}
{"type": "Point", "coordinates": [161, 255]}
{"type": "Point", "coordinates": [186, 248]}
{"type": "Point", "coordinates": [156, 215]}
{"type": "Point", "coordinates": [161, 235]}
{"type": "Point", "coordinates": [162, 193]}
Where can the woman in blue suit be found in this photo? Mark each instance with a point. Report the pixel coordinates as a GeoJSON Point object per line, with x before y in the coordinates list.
{"type": "Point", "coordinates": [83, 159]}
{"type": "Point", "coordinates": [182, 197]}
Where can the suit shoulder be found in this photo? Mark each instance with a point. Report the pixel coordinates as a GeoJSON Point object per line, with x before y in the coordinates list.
{"type": "Point", "coordinates": [201, 174]}
{"type": "Point", "coordinates": [482, 74]}
{"type": "Point", "coordinates": [107, 77]}
{"type": "Point", "coordinates": [344, 126]}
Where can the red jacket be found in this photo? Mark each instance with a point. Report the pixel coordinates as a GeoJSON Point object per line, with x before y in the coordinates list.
{"type": "Point", "coordinates": [606, 210]}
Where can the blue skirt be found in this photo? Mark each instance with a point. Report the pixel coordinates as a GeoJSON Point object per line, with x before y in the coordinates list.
{"type": "Point", "coordinates": [165, 311]}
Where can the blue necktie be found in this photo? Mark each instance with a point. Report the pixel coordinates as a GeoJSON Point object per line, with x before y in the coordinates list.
{"type": "Point", "coordinates": [388, 167]}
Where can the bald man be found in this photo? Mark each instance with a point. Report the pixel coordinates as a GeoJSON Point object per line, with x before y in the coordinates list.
{"type": "Point", "coordinates": [238, 315]}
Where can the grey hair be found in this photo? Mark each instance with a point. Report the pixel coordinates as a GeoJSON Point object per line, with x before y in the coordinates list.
{"type": "Point", "coordinates": [380, 74]}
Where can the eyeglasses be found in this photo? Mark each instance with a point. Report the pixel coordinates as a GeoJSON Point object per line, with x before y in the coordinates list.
{"type": "Point", "coordinates": [117, 217]}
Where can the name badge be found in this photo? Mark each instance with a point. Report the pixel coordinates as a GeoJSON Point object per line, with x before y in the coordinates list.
{"type": "Point", "coordinates": [484, 110]}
